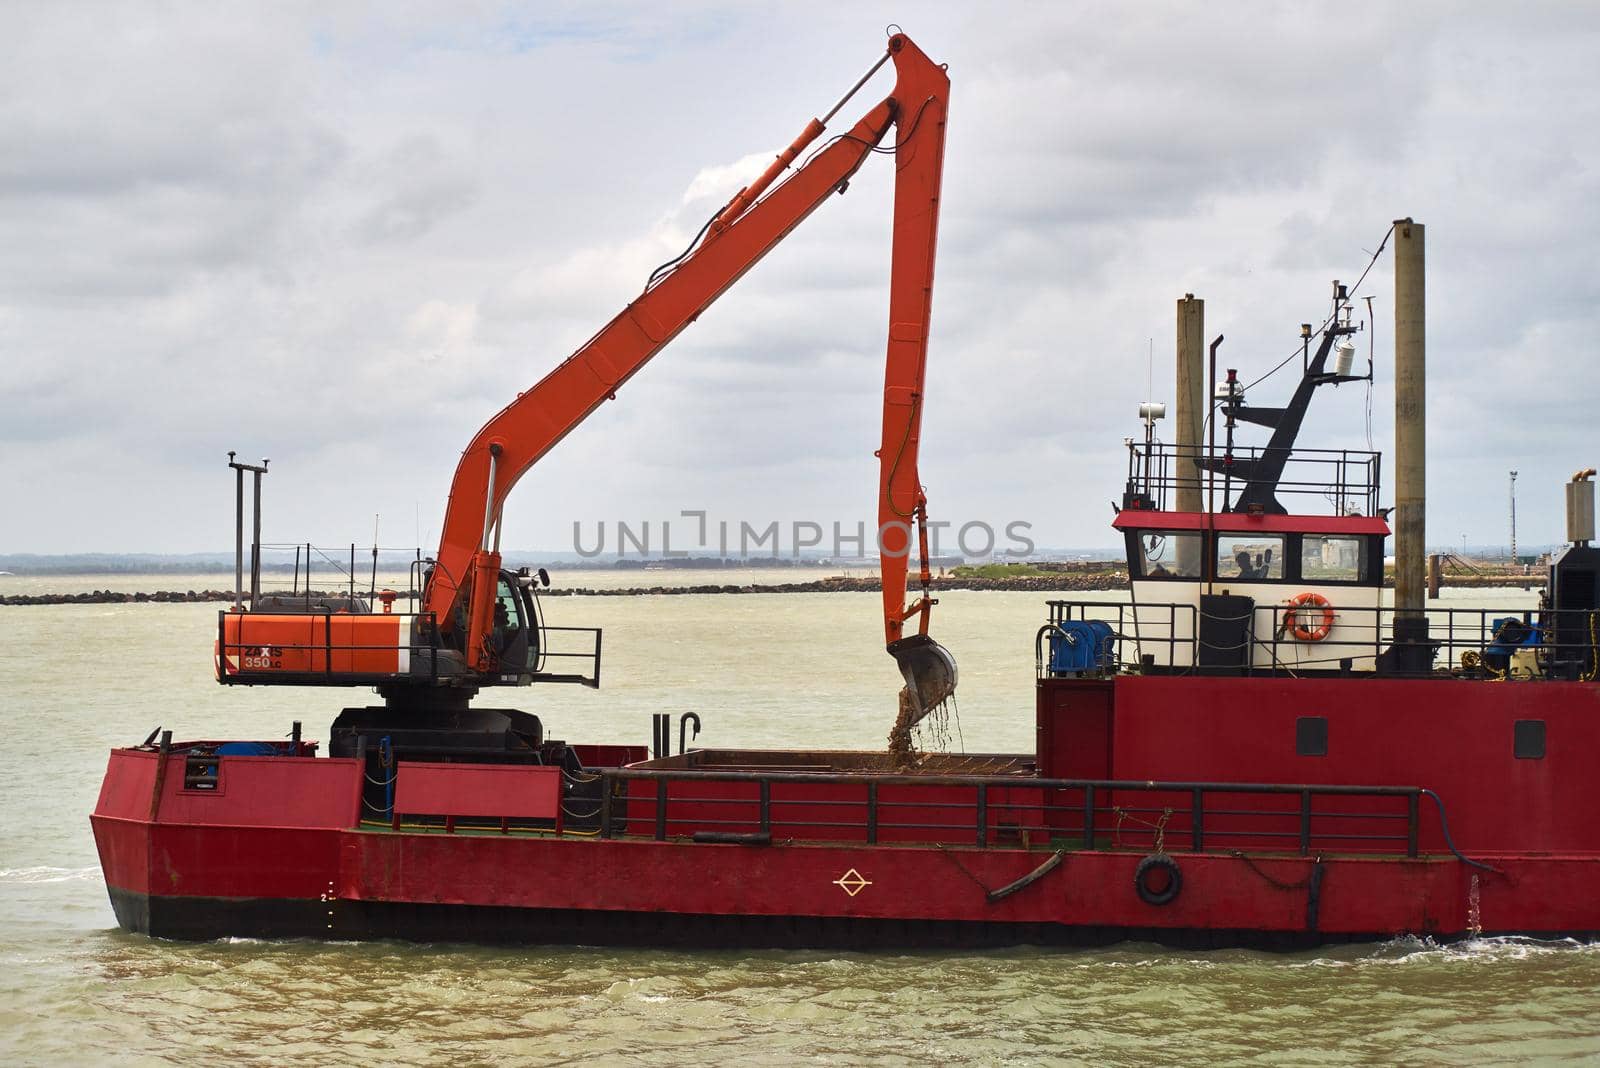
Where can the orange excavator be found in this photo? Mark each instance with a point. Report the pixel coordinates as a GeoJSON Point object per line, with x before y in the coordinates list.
{"type": "Point", "coordinates": [475, 626]}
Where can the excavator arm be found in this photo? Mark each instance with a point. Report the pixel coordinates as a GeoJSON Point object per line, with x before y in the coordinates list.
{"type": "Point", "coordinates": [756, 219]}
{"type": "Point", "coordinates": [929, 670]}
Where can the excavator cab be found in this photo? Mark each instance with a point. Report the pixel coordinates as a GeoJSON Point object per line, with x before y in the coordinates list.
{"type": "Point", "coordinates": [516, 630]}
{"type": "Point", "coordinates": [515, 635]}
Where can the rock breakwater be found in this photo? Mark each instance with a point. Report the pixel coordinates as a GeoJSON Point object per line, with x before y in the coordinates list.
{"type": "Point", "coordinates": [1062, 582]}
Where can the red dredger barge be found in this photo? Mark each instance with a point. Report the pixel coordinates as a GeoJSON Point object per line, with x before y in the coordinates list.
{"type": "Point", "coordinates": [1254, 749]}
{"type": "Point", "coordinates": [1203, 775]}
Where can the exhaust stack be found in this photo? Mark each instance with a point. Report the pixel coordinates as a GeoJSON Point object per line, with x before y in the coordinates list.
{"type": "Point", "coordinates": [1413, 651]}
{"type": "Point", "coordinates": [1580, 508]}
{"type": "Point", "coordinates": [1191, 414]}
{"type": "Point", "coordinates": [1191, 396]}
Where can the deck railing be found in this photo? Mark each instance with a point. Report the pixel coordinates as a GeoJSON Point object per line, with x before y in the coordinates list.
{"type": "Point", "coordinates": [758, 808]}
{"type": "Point", "coordinates": [1347, 479]}
{"type": "Point", "coordinates": [1471, 642]}
{"type": "Point", "coordinates": [308, 573]}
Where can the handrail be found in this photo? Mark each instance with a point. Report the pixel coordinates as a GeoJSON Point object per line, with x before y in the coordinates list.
{"type": "Point", "coordinates": [1361, 631]}
{"type": "Point", "coordinates": [981, 813]}
{"type": "Point", "coordinates": [856, 778]}
{"type": "Point", "coordinates": [1345, 475]}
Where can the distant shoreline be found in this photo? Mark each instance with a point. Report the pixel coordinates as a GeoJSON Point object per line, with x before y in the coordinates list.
{"type": "Point", "coordinates": [1061, 582]}
{"type": "Point", "coordinates": [832, 584]}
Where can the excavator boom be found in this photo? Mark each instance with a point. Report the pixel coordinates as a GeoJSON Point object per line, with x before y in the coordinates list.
{"type": "Point", "coordinates": [475, 623]}
{"type": "Point", "coordinates": [754, 221]}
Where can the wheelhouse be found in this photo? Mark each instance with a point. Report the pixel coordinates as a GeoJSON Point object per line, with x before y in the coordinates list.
{"type": "Point", "coordinates": [1233, 591]}
{"type": "Point", "coordinates": [1228, 579]}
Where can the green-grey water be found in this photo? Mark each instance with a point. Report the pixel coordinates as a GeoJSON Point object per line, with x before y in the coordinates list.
{"type": "Point", "coordinates": [800, 669]}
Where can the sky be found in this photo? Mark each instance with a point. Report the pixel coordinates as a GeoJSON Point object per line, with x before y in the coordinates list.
{"type": "Point", "coordinates": [343, 236]}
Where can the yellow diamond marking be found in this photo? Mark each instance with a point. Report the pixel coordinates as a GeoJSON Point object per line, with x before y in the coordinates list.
{"type": "Point", "coordinates": [852, 882]}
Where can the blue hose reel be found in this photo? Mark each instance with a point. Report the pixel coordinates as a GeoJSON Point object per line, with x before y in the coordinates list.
{"type": "Point", "coordinates": [1081, 647]}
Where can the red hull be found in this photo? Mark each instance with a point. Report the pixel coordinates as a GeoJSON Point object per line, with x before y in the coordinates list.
{"type": "Point", "coordinates": [277, 848]}
{"type": "Point", "coordinates": [348, 883]}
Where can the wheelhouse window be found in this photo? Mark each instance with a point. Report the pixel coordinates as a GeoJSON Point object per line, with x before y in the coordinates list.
{"type": "Point", "coordinates": [1251, 557]}
{"type": "Point", "coordinates": [1332, 558]}
{"type": "Point", "coordinates": [1169, 554]}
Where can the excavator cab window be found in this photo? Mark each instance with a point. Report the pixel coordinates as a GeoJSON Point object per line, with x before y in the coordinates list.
{"type": "Point", "coordinates": [535, 626]}
{"type": "Point", "coordinates": [507, 612]}
{"type": "Point", "coordinates": [511, 626]}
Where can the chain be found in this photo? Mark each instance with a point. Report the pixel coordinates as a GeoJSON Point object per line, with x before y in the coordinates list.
{"type": "Point", "coordinates": [1278, 884]}
{"type": "Point", "coordinates": [962, 868]}
{"type": "Point", "coordinates": [1159, 826]}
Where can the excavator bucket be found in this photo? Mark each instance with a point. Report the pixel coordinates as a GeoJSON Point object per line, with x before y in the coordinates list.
{"type": "Point", "coordinates": [929, 670]}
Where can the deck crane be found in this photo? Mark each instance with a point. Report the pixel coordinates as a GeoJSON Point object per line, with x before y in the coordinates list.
{"type": "Point", "coordinates": [454, 644]}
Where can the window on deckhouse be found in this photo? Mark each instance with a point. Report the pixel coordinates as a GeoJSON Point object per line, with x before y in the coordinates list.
{"type": "Point", "coordinates": [1250, 557]}
{"type": "Point", "coordinates": [1332, 558]}
{"type": "Point", "coordinates": [1169, 554]}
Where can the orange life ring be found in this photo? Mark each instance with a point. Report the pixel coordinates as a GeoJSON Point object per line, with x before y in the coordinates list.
{"type": "Point", "coordinates": [1297, 619]}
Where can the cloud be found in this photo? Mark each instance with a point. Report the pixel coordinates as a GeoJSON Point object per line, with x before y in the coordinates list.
{"type": "Point", "coordinates": [346, 237]}
{"type": "Point", "coordinates": [422, 185]}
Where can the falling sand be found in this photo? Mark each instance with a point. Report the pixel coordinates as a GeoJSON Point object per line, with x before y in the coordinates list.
{"type": "Point", "coordinates": [903, 752]}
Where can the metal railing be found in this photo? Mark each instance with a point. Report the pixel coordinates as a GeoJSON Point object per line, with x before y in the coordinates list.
{"type": "Point", "coordinates": [1469, 642]}
{"type": "Point", "coordinates": [1008, 811]}
{"type": "Point", "coordinates": [308, 572]}
{"type": "Point", "coordinates": [1146, 624]}
{"type": "Point", "coordinates": [591, 655]}
{"type": "Point", "coordinates": [1348, 479]}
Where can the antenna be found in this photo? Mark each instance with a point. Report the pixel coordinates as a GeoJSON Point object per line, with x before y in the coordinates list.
{"type": "Point", "coordinates": [1150, 372]}
{"type": "Point", "coordinates": [1513, 518]}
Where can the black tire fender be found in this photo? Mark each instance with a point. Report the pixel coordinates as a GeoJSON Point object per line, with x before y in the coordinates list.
{"type": "Point", "coordinates": [1153, 863]}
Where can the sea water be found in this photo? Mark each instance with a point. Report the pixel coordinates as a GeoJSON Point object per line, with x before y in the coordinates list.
{"type": "Point", "coordinates": [760, 670]}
